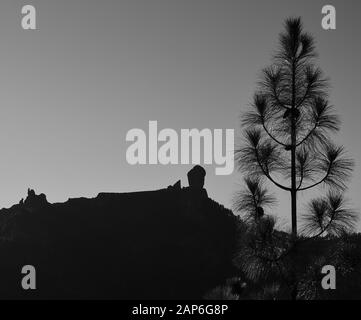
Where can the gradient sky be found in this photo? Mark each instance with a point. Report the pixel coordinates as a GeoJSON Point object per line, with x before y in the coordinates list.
{"type": "Point", "coordinates": [93, 70]}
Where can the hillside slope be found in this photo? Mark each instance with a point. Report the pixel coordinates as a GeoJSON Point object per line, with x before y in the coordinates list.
{"type": "Point", "coordinates": [172, 243]}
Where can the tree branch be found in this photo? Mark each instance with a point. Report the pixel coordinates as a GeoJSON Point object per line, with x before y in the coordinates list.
{"type": "Point", "coordinates": [301, 180]}
{"type": "Point", "coordinates": [317, 183]}
{"type": "Point", "coordinates": [268, 175]}
{"type": "Point", "coordinates": [305, 96]}
{"type": "Point", "coordinates": [307, 136]}
{"type": "Point", "coordinates": [323, 229]}
{"type": "Point", "coordinates": [271, 136]}
{"type": "Point", "coordinates": [278, 100]}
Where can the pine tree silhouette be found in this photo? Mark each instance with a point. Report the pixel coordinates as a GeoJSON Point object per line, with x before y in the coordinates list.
{"type": "Point", "coordinates": [287, 134]}
{"type": "Point", "coordinates": [287, 142]}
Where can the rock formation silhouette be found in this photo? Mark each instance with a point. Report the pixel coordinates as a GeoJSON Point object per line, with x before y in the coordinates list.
{"type": "Point", "coordinates": [33, 201]}
{"type": "Point", "coordinates": [196, 177]}
{"type": "Point", "coordinates": [173, 243]}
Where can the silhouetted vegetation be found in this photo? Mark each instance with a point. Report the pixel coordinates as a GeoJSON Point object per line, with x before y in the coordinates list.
{"type": "Point", "coordinates": [287, 132]}
{"type": "Point", "coordinates": [270, 262]}
{"type": "Point", "coordinates": [287, 136]}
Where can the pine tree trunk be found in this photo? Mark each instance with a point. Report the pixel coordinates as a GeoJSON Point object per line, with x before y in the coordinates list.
{"type": "Point", "coordinates": [293, 179]}
{"type": "Point", "coordinates": [293, 156]}
{"type": "Point", "coordinates": [293, 193]}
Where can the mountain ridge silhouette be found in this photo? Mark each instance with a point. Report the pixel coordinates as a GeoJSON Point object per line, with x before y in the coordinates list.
{"type": "Point", "coordinates": [171, 243]}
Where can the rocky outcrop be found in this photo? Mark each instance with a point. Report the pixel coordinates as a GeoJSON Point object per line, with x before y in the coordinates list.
{"type": "Point", "coordinates": [196, 177]}
{"type": "Point", "coordinates": [35, 202]}
{"type": "Point", "coordinates": [173, 243]}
